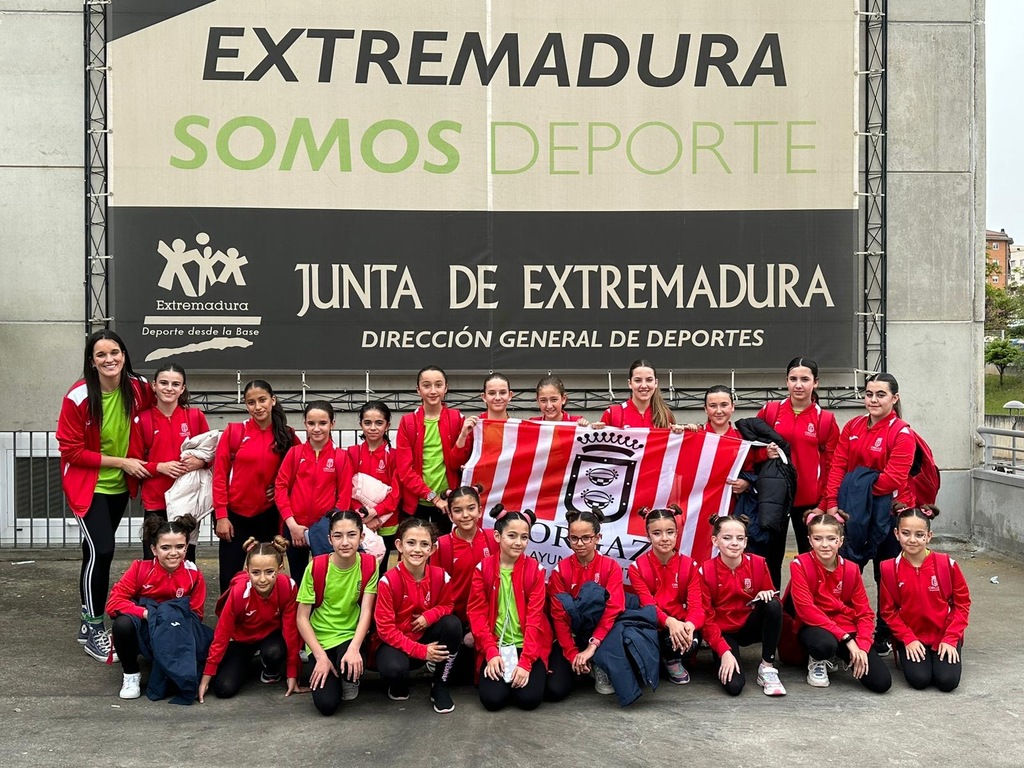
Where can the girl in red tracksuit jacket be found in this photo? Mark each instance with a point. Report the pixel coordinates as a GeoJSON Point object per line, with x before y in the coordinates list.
{"type": "Point", "coordinates": [168, 576]}
{"type": "Point", "coordinates": [314, 478]}
{"type": "Point", "coordinates": [458, 554]}
{"type": "Point", "coordinates": [156, 438]}
{"type": "Point", "coordinates": [508, 614]}
{"type": "Point", "coordinates": [880, 440]}
{"type": "Point", "coordinates": [256, 615]}
{"type": "Point", "coordinates": [96, 473]}
{"type": "Point", "coordinates": [571, 655]}
{"type": "Point", "coordinates": [831, 608]}
{"type": "Point", "coordinates": [375, 457]}
{"type": "Point", "coordinates": [551, 399]}
{"type": "Point", "coordinates": [742, 608]}
{"type": "Point", "coordinates": [244, 469]}
{"type": "Point", "coordinates": [926, 603]}
{"type": "Point", "coordinates": [670, 582]}
{"type": "Point", "coordinates": [415, 625]}
{"type": "Point", "coordinates": [645, 407]}
{"type": "Point", "coordinates": [812, 434]}
{"type": "Point", "coordinates": [497, 394]}
{"type": "Point", "coordinates": [428, 459]}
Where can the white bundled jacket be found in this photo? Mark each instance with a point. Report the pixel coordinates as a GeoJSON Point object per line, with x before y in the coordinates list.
{"type": "Point", "coordinates": [192, 493]}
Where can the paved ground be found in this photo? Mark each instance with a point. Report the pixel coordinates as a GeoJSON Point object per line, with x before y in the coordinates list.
{"type": "Point", "coordinates": [58, 707]}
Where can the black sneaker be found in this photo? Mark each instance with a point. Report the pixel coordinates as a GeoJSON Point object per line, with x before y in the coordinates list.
{"type": "Point", "coordinates": [882, 647]}
{"type": "Point", "coordinates": [399, 692]}
{"type": "Point", "coordinates": [441, 699]}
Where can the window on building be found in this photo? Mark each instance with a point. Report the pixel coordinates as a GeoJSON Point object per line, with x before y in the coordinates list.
{"type": "Point", "coordinates": [995, 278]}
{"type": "Point", "coordinates": [995, 246]}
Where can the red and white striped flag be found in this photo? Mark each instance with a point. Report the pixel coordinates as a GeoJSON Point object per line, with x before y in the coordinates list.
{"type": "Point", "coordinates": [554, 467]}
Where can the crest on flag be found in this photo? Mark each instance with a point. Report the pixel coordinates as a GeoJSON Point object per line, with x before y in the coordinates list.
{"type": "Point", "coordinates": [602, 474]}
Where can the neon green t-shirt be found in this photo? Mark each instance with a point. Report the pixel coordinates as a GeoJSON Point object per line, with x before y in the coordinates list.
{"type": "Point", "coordinates": [434, 473]}
{"type": "Point", "coordinates": [508, 613]}
{"type": "Point", "coordinates": [114, 433]}
{"type": "Point", "coordinates": [334, 622]}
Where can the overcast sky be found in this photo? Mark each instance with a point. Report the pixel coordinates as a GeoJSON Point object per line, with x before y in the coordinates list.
{"type": "Point", "coordinates": [1004, 59]}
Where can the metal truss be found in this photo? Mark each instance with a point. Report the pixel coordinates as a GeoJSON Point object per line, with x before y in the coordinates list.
{"type": "Point", "coordinates": [97, 257]}
{"type": "Point", "coordinates": [873, 134]}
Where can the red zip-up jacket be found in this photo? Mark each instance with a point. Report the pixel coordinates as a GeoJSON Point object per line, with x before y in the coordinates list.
{"type": "Point", "coordinates": [531, 607]}
{"type": "Point", "coordinates": [626, 414]}
{"type": "Point", "coordinates": [920, 611]}
{"type": "Point", "coordinates": [79, 441]}
{"type": "Point", "coordinates": [379, 464]}
{"type": "Point", "coordinates": [241, 485]}
{"type": "Point", "coordinates": [459, 559]}
{"type": "Point", "coordinates": [565, 417]}
{"type": "Point", "coordinates": [409, 453]}
{"type": "Point", "coordinates": [817, 598]}
{"type": "Point", "coordinates": [659, 585]}
{"type": "Point", "coordinates": [888, 446]}
{"type": "Point", "coordinates": [157, 438]}
{"type": "Point", "coordinates": [803, 433]}
{"type": "Point", "coordinates": [309, 485]}
{"type": "Point", "coordinates": [247, 617]}
{"type": "Point", "coordinates": [569, 576]}
{"type": "Point", "coordinates": [147, 578]}
{"type": "Point", "coordinates": [415, 599]}
{"type": "Point", "coordinates": [735, 589]}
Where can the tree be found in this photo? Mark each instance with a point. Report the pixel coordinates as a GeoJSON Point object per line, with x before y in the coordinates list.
{"type": "Point", "coordinates": [1002, 353]}
{"type": "Point", "coordinates": [1004, 308]}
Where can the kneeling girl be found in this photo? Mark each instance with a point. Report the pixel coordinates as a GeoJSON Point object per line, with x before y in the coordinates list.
{"type": "Point", "coordinates": [508, 617]}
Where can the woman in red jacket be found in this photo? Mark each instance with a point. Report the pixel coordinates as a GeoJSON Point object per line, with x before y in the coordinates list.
{"type": "Point", "coordinates": [166, 577]}
{"type": "Point", "coordinates": [645, 406]}
{"type": "Point", "coordinates": [415, 625]}
{"type": "Point", "coordinates": [255, 616]}
{"type": "Point", "coordinates": [314, 478]}
{"type": "Point", "coordinates": [924, 599]}
{"type": "Point", "coordinates": [671, 583]}
{"type": "Point", "coordinates": [156, 438]}
{"type": "Point", "coordinates": [742, 608]}
{"type": "Point", "coordinates": [508, 614]}
{"type": "Point", "coordinates": [93, 433]}
{"type": "Point", "coordinates": [832, 610]}
{"type": "Point", "coordinates": [812, 434]}
{"type": "Point", "coordinates": [248, 457]}
{"type": "Point", "coordinates": [375, 457]}
{"type": "Point", "coordinates": [882, 441]}
{"type": "Point", "coordinates": [428, 460]}
{"type": "Point", "coordinates": [571, 655]}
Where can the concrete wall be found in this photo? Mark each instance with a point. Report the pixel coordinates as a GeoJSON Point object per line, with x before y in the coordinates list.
{"type": "Point", "coordinates": [935, 200]}
{"type": "Point", "coordinates": [998, 522]}
{"type": "Point", "coordinates": [936, 238]}
{"type": "Point", "coordinates": [42, 210]}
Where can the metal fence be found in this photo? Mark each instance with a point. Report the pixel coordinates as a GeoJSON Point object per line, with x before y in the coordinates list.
{"type": "Point", "coordinates": [33, 510]}
{"type": "Point", "coordinates": [1004, 449]}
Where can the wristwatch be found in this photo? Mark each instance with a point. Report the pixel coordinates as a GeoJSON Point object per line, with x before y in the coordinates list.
{"type": "Point", "coordinates": [594, 642]}
{"type": "Point", "coordinates": [431, 497]}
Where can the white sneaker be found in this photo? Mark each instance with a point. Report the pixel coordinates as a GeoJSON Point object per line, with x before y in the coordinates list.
{"type": "Point", "coordinates": [130, 688]}
{"type": "Point", "coordinates": [349, 690]}
{"type": "Point", "coordinates": [768, 679]}
{"type": "Point", "coordinates": [602, 683]}
{"type": "Point", "coordinates": [817, 673]}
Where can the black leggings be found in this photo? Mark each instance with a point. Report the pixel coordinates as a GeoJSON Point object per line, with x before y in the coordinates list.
{"type": "Point", "coordinates": [822, 645]}
{"type": "Point", "coordinates": [394, 665]}
{"type": "Point", "coordinates": [496, 694]}
{"type": "Point", "coordinates": [99, 525]}
{"type": "Point", "coordinates": [561, 678]}
{"type": "Point", "coordinates": [763, 625]}
{"type": "Point", "coordinates": [263, 527]}
{"type": "Point", "coordinates": [932, 671]}
{"type": "Point", "coordinates": [126, 643]}
{"type": "Point", "coordinates": [327, 700]}
{"type": "Point", "coordinates": [434, 515]}
{"type": "Point", "coordinates": [888, 549]}
{"type": "Point", "coordinates": [147, 553]}
{"type": "Point", "coordinates": [298, 559]}
{"type": "Point", "coordinates": [774, 550]}
{"type": "Point", "coordinates": [234, 667]}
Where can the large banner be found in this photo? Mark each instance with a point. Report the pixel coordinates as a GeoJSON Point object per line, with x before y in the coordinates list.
{"type": "Point", "coordinates": [508, 184]}
{"type": "Point", "coordinates": [554, 467]}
